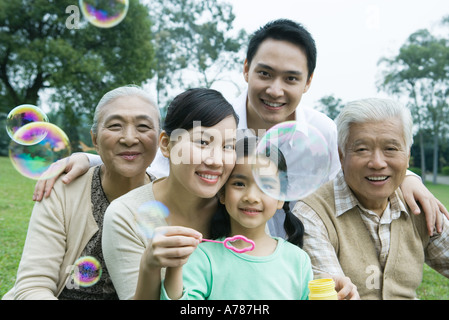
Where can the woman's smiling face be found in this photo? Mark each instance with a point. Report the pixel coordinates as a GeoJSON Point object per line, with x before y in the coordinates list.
{"type": "Point", "coordinates": [202, 158]}
{"type": "Point", "coordinates": [127, 137]}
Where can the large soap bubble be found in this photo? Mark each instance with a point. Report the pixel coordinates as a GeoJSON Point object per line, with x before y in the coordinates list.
{"type": "Point", "coordinates": [23, 115]}
{"type": "Point", "coordinates": [104, 13]}
{"type": "Point", "coordinates": [149, 216]}
{"type": "Point", "coordinates": [37, 161]}
{"type": "Point", "coordinates": [302, 157]}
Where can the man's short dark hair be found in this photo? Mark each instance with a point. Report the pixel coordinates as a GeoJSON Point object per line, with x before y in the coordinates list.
{"type": "Point", "coordinates": [285, 30]}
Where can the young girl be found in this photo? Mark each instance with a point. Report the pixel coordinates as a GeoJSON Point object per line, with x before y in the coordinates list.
{"type": "Point", "coordinates": [275, 269]}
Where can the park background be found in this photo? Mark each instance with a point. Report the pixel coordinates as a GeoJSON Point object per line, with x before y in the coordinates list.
{"type": "Point", "coordinates": [397, 49]}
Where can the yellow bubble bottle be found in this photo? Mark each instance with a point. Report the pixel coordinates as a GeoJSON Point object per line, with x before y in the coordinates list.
{"type": "Point", "coordinates": [322, 289]}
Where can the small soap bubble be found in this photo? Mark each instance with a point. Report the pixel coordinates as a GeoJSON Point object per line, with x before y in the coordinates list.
{"type": "Point", "coordinates": [149, 216]}
{"type": "Point", "coordinates": [104, 13]}
{"type": "Point", "coordinates": [306, 154]}
{"type": "Point", "coordinates": [87, 271]}
{"type": "Point", "coordinates": [23, 115]}
{"type": "Point", "coordinates": [37, 161]}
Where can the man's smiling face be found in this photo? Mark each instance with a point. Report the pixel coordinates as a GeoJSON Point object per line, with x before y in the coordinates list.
{"type": "Point", "coordinates": [277, 78]}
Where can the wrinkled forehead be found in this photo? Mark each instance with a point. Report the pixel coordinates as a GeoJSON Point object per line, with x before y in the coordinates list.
{"type": "Point", "coordinates": [390, 129]}
{"type": "Point", "coordinates": [129, 105]}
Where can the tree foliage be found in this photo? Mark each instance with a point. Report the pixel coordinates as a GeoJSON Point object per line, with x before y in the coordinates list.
{"type": "Point", "coordinates": [175, 44]}
{"type": "Point", "coordinates": [330, 106]}
{"type": "Point", "coordinates": [195, 44]}
{"type": "Point", "coordinates": [420, 73]}
{"type": "Point", "coordinates": [38, 52]}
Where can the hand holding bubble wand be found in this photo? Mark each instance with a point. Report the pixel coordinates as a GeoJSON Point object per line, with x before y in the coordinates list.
{"type": "Point", "coordinates": [152, 214]}
{"type": "Point", "coordinates": [234, 238]}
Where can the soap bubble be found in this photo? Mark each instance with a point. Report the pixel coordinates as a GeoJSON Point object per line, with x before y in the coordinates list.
{"type": "Point", "coordinates": [306, 154]}
{"type": "Point", "coordinates": [22, 115]}
{"type": "Point", "coordinates": [104, 13]}
{"type": "Point", "coordinates": [35, 161]}
{"type": "Point", "coordinates": [87, 271]}
{"type": "Point", "coordinates": [150, 215]}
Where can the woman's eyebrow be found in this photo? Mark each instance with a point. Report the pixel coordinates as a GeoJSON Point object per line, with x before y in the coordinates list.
{"type": "Point", "coordinates": [120, 117]}
{"type": "Point", "coordinates": [113, 117]}
{"type": "Point", "coordinates": [145, 117]}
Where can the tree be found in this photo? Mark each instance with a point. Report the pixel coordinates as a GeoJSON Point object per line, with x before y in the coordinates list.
{"type": "Point", "coordinates": [38, 51]}
{"type": "Point", "coordinates": [194, 44]}
{"type": "Point", "coordinates": [420, 72]}
{"type": "Point", "coordinates": [330, 106]}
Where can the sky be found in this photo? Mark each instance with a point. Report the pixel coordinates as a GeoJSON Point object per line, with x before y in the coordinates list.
{"type": "Point", "coordinates": [351, 36]}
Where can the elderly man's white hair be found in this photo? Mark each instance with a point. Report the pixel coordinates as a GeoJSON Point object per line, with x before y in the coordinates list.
{"type": "Point", "coordinates": [373, 110]}
{"type": "Point", "coordinates": [129, 90]}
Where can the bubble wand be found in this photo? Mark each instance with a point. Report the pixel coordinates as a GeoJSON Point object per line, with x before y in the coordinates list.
{"type": "Point", "coordinates": [234, 238]}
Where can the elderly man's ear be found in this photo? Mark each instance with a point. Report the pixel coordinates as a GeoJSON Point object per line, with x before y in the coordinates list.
{"type": "Point", "coordinates": [341, 156]}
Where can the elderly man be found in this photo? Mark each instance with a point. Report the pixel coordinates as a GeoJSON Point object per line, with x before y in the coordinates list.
{"type": "Point", "coordinates": [358, 225]}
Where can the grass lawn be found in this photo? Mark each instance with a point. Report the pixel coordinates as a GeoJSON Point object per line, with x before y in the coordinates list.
{"type": "Point", "coordinates": [15, 210]}
{"type": "Point", "coordinates": [16, 205]}
{"type": "Point", "coordinates": [434, 285]}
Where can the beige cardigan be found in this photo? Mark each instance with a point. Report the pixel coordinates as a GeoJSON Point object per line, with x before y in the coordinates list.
{"type": "Point", "coordinates": [356, 253]}
{"type": "Point", "coordinates": [123, 242]}
{"type": "Point", "coordinates": [59, 229]}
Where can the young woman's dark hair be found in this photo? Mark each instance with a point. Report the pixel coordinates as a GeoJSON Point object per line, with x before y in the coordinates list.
{"type": "Point", "coordinates": [285, 30]}
{"type": "Point", "coordinates": [206, 106]}
{"type": "Point", "coordinates": [221, 224]}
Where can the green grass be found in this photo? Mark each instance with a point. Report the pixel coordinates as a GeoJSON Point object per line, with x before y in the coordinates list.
{"type": "Point", "coordinates": [434, 285]}
{"type": "Point", "coordinates": [16, 205]}
{"type": "Point", "coordinates": [15, 210]}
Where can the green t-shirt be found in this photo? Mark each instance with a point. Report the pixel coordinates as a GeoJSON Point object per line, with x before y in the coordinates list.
{"type": "Point", "coordinates": [216, 273]}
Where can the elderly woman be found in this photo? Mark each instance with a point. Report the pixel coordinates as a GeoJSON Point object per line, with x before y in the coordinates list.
{"type": "Point", "coordinates": [358, 225]}
{"type": "Point", "coordinates": [68, 224]}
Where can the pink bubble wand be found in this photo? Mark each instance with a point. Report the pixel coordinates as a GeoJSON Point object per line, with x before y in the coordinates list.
{"type": "Point", "coordinates": [234, 238]}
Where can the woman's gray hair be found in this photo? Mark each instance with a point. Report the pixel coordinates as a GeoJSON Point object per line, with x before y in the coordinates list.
{"type": "Point", "coordinates": [370, 110]}
{"type": "Point", "coordinates": [129, 90]}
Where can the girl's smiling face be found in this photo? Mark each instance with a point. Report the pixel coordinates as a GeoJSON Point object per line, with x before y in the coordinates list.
{"type": "Point", "coordinates": [247, 205]}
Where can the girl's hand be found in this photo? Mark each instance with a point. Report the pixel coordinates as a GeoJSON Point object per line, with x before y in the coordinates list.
{"type": "Point", "coordinates": [171, 246]}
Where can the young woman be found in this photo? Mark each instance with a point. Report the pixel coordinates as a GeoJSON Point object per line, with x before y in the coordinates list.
{"type": "Point", "coordinates": [198, 137]}
{"type": "Point", "coordinates": [274, 269]}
